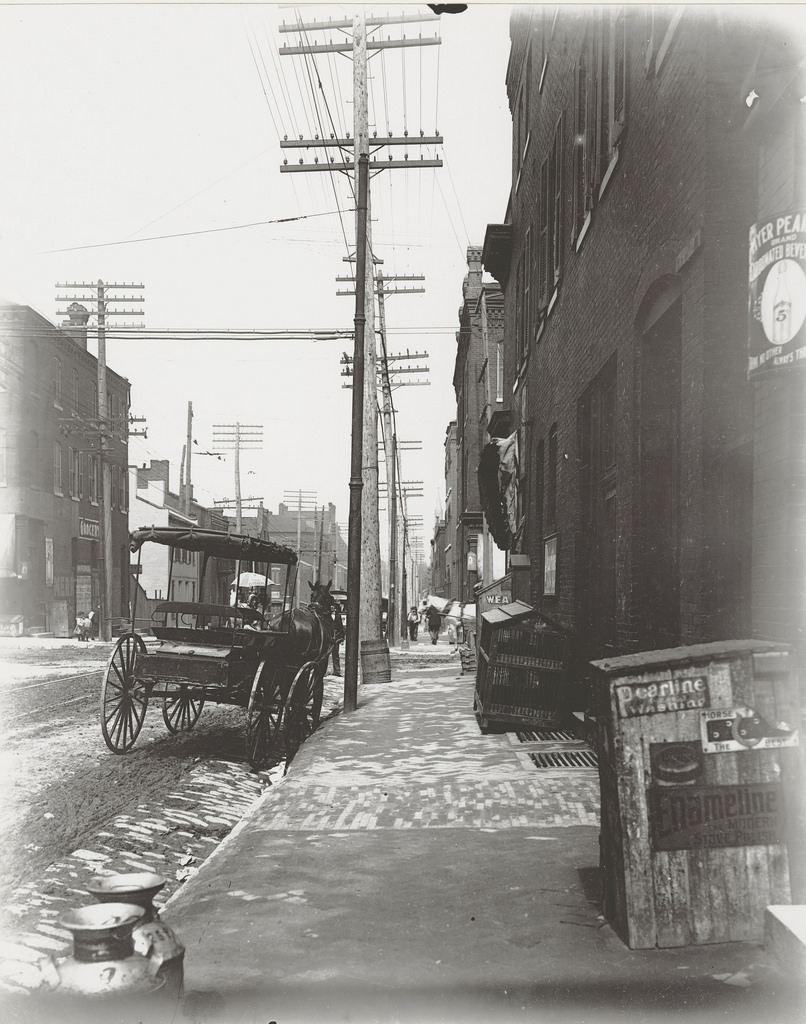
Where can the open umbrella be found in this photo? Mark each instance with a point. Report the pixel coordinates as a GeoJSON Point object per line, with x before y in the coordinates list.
{"type": "Point", "coordinates": [253, 579]}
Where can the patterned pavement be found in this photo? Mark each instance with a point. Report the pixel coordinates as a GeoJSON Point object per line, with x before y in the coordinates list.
{"type": "Point", "coordinates": [412, 757]}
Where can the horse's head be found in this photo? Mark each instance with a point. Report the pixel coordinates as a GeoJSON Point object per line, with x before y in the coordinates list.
{"type": "Point", "coordinates": [321, 598]}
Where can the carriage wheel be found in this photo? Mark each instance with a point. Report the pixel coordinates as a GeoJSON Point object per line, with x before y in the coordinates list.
{"type": "Point", "coordinates": [181, 711]}
{"type": "Point", "coordinates": [303, 707]}
{"type": "Point", "coordinates": [264, 714]}
{"type": "Point", "coordinates": [123, 699]}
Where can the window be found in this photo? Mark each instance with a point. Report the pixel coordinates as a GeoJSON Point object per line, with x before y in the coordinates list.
{"type": "Point", "coordinates": [661, 23]}
{"type": "Point", "coordinates": [555, 195]}
{"type": "Point", "coordinates": [76, 392]}
{"type": "Point", "coordinates": [57, 382]}
{"type": "Point", "coordinates": [613, 92]}
{"type": "Point", "coordinates": [527, 291]}
{"type": "Point", "coordinates": [499, 370]}
{"type": "Point", "coordinates": [113, 474]}
{"type": "Point", "coordinates": [75, 475]}
{"type": "Point", "coordinates": [537, 506]}
{"type": "Point", "coordinates": [520, 318]}
{"type": "Point", "coordinates": [57, 468]}
{"type": "Point", "coordinates": [2, 457]}
{"type": "Point", "coordinates": [522, 114]}
{"type": "Point", "coordinates": [586, 133]}
{"type": "Point", "coordinates": [543, 243]}
{"type": "Point", "coordinates": [92, 475]}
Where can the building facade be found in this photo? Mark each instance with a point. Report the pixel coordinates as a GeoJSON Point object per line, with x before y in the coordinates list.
{"type": "Point", "coordinates": [623, 259]}
{"type": "Point", "coordinates": [471, 388]}
{"type": "Point", "coordinates": [51, 466]}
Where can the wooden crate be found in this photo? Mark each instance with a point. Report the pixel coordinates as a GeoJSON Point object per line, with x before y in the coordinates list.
{"type": "Point", "coordinates": [700, 777]}
{"type": "Point", "coordinates": [521, 670]}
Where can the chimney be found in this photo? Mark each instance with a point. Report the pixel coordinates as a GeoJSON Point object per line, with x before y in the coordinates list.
{"type": "Point", "coordinates": [76, 324]}
{"type": "Point", "coordinates": [472, 290]}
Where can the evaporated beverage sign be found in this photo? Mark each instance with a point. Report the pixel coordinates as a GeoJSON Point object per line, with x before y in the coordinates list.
{"type": "Point", "coordinates": [777, 293]}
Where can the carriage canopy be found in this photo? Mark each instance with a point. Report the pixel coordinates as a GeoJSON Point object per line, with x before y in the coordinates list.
{"type": "Point", "coordinates": [214, 543]}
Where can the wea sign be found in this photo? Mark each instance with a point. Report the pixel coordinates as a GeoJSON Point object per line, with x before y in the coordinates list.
{"type": "Point", "coordinates": [777, 293]}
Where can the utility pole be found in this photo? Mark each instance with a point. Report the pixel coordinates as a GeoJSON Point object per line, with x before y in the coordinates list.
{"type": "Point", "coordinates": [389, 435]}
{"type": "Point", "coordinates": [102, 298]}
{"type": "Point", "coordinates": [233, 437]}
{"type": "Point", "coordinates": [319, 546]}
{"type": "Point", "coordinates": [305, 502]}
{"type": "Point", "coordinates": [367, 570]}
{"type": "Point", "coordinates": [188, 492]}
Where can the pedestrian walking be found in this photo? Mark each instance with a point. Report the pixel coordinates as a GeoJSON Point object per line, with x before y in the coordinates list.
{"type": "Point", "coordinates": [414, 622]}
{"type": "Point", "coordinates": [434, 622]}
{"type": "Point", "coordinates": [338, 636]}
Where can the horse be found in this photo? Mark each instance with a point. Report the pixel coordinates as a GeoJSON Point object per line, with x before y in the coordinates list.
{"type": "Point", "coordinates": [311, 630]}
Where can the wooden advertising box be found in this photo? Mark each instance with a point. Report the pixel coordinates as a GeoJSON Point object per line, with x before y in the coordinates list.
{"type": "Point", "coordinates": [700, 772]}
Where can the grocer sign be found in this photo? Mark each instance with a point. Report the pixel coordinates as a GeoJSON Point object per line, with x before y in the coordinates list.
{"type": "Point", "coordinates": [776, 308]}
{"type": "Point", "coordinates": [89, 529]}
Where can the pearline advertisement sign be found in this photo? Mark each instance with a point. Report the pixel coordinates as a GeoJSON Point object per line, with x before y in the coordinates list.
{"type": "Point", "coordinates": [776, 309]}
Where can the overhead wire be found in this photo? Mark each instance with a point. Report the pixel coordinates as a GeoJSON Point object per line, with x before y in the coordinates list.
{"type": "Point", "coordinates": [200, 231]}
{"type": "Point", "coordinates": [303, 32]}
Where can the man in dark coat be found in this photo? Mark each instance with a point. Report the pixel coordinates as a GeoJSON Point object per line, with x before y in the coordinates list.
{"type": "Point", "coordinates": [434, 622]}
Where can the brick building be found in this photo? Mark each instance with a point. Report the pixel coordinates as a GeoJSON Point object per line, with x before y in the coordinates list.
{"type": "Point", "coordinates": [623, 259]}
{"type": "Point", "coordinates": [51, 499]}
{"type": "Point", "coordinates": [478, 387]}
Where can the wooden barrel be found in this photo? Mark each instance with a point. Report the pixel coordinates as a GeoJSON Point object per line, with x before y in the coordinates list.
{"type": "Point", "coordinates": [375, 664]}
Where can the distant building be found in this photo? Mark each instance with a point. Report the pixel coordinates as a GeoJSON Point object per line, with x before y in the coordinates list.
{"type": "Point", "coordinates": [50, 474]}
{"type": "Point", "coordinates": [159, 577]}
{"type": "Point", "coordinates": [478, 386]}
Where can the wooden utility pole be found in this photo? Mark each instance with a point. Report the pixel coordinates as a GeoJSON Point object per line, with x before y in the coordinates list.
{"type": "Point", "coordinates": [188, 492]}
{"type": "Point", "coordinates": [101, 298]}
{"type": "Point", "coordinates": [366, 577]}
{"type": "Point", "coordinates": [233, 437]}
{"type": "Point", "coordinates": [389, 436]}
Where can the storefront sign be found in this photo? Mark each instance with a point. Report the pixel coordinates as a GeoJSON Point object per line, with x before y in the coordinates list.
{"type": "Point", "coordinates": [89, 529]}
{"type": "Point", "coordinates": [777, 293]}
{"type": "Point", "coordinates": [686, 693]}
{"type": "Point", "coordinates": [703, 817]}
{"type": "Point", "coordinates": [725, 729]}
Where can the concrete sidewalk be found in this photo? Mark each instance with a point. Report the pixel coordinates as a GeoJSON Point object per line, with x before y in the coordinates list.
{"type": "Point", "coordinates": [410, 869]}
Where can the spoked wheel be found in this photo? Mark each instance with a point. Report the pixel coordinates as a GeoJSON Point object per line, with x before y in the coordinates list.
{"type": "Point", "coordinates": [123, 699]}
{"type": "Point", "coordinates": [180, 710]}
{"type": "Point", "coordinates": [303, 708]}
{"type": "Point", "coordinates": [264, 714]}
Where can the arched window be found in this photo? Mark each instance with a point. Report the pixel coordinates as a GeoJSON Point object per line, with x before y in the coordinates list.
{"type": "Point", "coordinates": [76, 392]}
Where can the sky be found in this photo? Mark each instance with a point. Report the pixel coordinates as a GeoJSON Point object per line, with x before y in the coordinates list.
{"type": "Point", "coordinates": [141, 144]}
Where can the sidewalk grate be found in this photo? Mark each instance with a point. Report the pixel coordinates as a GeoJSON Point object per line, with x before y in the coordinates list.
{"type": "Point", "coordinates": [557, 748]}
{"type": "Point", "coordinates": [536, 735]}
{"type": "Point", "coordinates": [565, 759]}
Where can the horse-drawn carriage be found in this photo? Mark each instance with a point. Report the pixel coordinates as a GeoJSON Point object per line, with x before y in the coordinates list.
{"type": "Point", "coordinates": [272, 664]}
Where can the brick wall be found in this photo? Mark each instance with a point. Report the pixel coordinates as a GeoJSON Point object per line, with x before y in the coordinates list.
{"type": "Point", "coordinates": [670, 226]}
